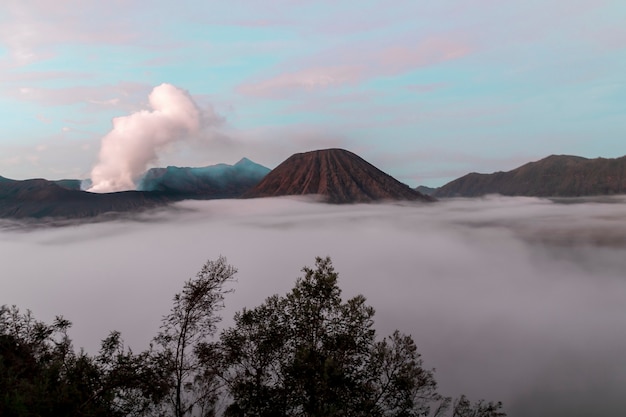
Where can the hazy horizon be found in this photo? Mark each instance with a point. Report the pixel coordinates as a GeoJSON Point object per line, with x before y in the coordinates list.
{"type": "Point", "coordinates": [87, 182]}
{"type": "Point", "coordinates": [514, 299]}
{"type": "Point", "coordinates": [428, 91]}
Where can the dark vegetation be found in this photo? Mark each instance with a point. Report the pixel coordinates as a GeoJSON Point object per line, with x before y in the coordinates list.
{"type": "Point", "coordinates": [307, 353]}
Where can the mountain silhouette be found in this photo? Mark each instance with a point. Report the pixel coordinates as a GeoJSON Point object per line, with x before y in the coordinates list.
{"type": "Point", "coordinates": [39, 198]}
{"type": "Point", "coordinates": [215, 181]}
{"type": "Point", "coordinates": [554, 176]}
{"type": "Point", "coordinates": [339, 176]}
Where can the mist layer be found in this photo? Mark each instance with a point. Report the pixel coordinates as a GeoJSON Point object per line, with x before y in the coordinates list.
{"type": "Point", "coordinates": [521, 300]}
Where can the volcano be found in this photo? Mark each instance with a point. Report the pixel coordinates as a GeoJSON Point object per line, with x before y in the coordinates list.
{"type": "Point", "coordinates": [215, 181]}
{"type": "Point", "coordinates": [39, 198]}
{"type": "Point", "coordinates": [64, 199]}
{"type": "Point", "coordinates": [337, 175]}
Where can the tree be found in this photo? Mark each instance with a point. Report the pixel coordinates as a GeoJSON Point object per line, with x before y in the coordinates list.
{"type": "Point", "coordinates": [135, 383]}
{"type": "Point", "coordinates": [184, 334]}
{"type": "Point", "coordinates": [402, 386]}
{"type": "Point", "coordinates": [42, 375]}
{"type": "Point", "coordinates": [32, 358]}
{"type": "Point", "coordinates": [311, 354]}
{"type": "Point", "coordinates": [308, 353]}
{"type": "Point", "coordinates": [464, 408]}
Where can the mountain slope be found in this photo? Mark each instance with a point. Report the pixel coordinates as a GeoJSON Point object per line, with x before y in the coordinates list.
{"type": "Point", "coordinates": [216, 181]}
{"type": "Point", "coordinates": [425, 190]}
{"type": "Point", "coordinates": [336, 174]}
{"type": "Point", "coordinates": [69, 184]}
{"type": "Point", "coordinates": [554, 176]}
{"type": "Point", "coordinates": [39, 198]}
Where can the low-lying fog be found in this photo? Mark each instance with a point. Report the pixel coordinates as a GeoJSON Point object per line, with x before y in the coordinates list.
{"type": "Point", "coordinates": [521, 300]}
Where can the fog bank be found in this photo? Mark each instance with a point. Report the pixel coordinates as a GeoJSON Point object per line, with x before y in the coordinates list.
{"type": "Point", "coordinates": [521, 300]}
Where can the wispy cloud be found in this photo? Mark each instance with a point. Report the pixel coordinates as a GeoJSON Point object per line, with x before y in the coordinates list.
{"type": "Point", "coordinates": [64, 154]}
{"type": "Point", "coordinates": [33, 28]}
{"type": "Point", "coordinates": [350, 65]}
{"type": "Point", "coordinates": [121, 96]}
{"type": "Point", "coordinates": [305, 80]}
{"type": "Point", "coordinates": [480, 76]}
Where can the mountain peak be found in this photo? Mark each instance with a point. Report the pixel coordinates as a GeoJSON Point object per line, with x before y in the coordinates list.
{"type": "Point", "coordinates": [244, 161]}
{"type": "Point", "coordinates": [553, 176]}
{"type": "Point", "coordinates": [213, 181]}
{"type": "Point", "coordinates": [338, 175]}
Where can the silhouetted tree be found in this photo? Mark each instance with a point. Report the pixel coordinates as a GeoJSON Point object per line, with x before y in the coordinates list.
{"type": "Point", "coordinates": [308, 353]}
{"type": "Point", "coordinates": [41, 374]}
{"type": "Point", "coordinates": [311, 354]}
{"type": "Point", "coordinates": [185, 331]}
{"type": "Point", "coordinates": [464, 408]}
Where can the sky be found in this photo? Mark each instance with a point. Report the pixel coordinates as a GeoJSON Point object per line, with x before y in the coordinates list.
{"type": "Point", "coordinates": [425, 90]}
{"type": "Point", "coordinates": [510, 299]}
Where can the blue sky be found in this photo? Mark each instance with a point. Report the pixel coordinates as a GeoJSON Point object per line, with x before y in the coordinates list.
{"type": "Point", "coordinates": [425, 90]}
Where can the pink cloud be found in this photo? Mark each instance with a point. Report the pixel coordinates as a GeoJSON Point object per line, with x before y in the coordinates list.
{"type": "Point", "coordinates": [16, 77]}
{"type": "Point", "coordinates": [610, 38]}
{"type": "Point", "coordinates": [397, 59]}
{"type": "Point", "coordinates": [121, 95]}
{"type": "Point", "coordinates": [327, 102]}
{"type": "Point", "coordinates": [305, 80]}
{"type": "Point", "coordinates": [31, 27]}
{"type": "Point", "coordinates": [352, 65]}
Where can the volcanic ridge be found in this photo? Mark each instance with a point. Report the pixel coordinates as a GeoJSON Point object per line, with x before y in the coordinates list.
{"type": "Point", "coordinates": [211, 182]}
{"type": "Point", "coordinates": [554, 176]}
{"type": "Point", "coordinates": [337, 175]}
{"type": "Point", "coordinates": [39, 198]}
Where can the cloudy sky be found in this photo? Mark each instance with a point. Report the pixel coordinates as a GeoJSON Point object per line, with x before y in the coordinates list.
{"type": "Point", "coordinates": [426, 90]}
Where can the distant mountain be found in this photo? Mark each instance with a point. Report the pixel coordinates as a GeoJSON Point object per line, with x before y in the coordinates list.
{"type": "Point", "coordinates": [216, 181]}
{"type": "Point", "coordinates": [554, 176]}
{"type": "Point", "coordinates": [69, 184]}
{"type": "Point", "coordinates": [39, 198]}
{"type": "Point", "coordinates": [425, 190]}
{"type": "Point", "coordinates": [336, 174]}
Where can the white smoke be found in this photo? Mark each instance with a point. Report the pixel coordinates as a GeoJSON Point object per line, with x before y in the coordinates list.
{"type": "Point", "coordinates": [135, 140]}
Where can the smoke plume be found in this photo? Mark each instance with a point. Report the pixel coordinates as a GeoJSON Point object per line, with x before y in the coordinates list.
{"type": "Point", "coordinates": [135, 140]}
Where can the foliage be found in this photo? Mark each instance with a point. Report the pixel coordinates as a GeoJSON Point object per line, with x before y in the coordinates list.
{"type": "Point", "coordinates": [307, 353]}
{"type": "Point", "coordinates": [311, 354]}
{"type": "Point", "coordinates": [41, 374]}
{"type": "Point", "coordinates": [185, 330]}
{"type": "Point", "coordinates": [464, 408]}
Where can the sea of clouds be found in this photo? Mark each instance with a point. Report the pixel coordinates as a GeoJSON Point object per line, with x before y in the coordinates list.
{"type": "Point", "coordinates": [521, 300]}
